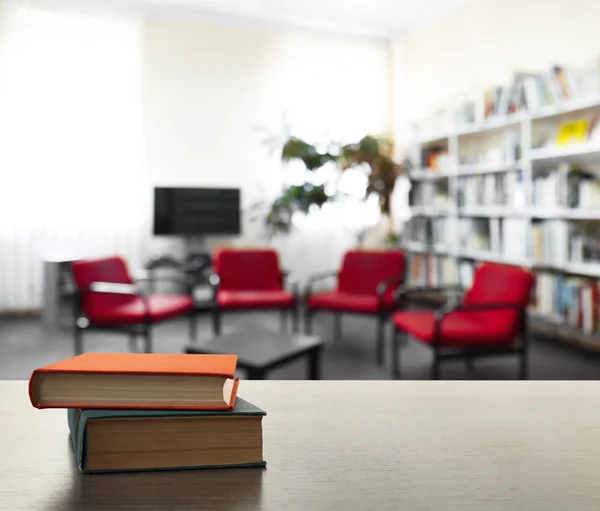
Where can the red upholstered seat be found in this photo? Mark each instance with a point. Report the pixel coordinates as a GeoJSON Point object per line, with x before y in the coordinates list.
{"type": "Point", "coordinates": [161, 308]}
{"type": "Point", "coordinates": [349, 302]}
{"type": "Point", "coordinates": [254, 299]}
{"type": "Point", "coordinates": [459, 329]}
{"type": "Point", "coordinates": [362, 271]}
{"type": "Point", "coordinates": [493, 284]}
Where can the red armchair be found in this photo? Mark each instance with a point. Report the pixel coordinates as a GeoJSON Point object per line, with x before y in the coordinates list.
{"type": "Point", "coordinates": [365, 285]}
{"type": "Point", "coordinates": [251, 279]}
{"type": "Point", "coordinates": [490, 320]}
{"type": "Point", "coordinates": [108, 299]}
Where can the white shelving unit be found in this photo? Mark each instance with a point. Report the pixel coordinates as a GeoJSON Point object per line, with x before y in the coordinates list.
{"type": "Point", "coordinates": [532, 160]}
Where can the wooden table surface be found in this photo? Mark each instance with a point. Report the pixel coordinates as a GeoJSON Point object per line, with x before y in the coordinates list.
{"type": "Point", "coordinates": [447, 446]}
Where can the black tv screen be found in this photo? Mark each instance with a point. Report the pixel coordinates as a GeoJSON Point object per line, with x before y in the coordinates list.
{"type": "Point", "coordinates": [196, 211]}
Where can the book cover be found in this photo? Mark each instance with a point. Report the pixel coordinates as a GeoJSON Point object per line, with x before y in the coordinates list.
{"type": "Point", "coordinates": [137, 364]}
{"type": "Point", "coordinates": [573, 132]}
{"type": "Point", "coordinates": [78, 422]}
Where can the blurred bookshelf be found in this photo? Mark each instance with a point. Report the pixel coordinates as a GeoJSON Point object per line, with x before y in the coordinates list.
{"type": "Point", "coordinates": [513, 176]}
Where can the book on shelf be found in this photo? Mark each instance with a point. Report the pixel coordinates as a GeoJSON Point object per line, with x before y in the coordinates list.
{"type": "Point", "coordinates": [566, 186]}
{"type": "Point", "coordinates": [528, 92]}
{"type": "Point", "coordinates": [434, 158]}
{"type": "Point", "coordinates": [506, 154]}
{"type": "Point", "coordinates": [569, 301]}
{"type": "Point", "coordinates": [561, 242]}
{"type": "Point", "coordinates": [584, 242]}
{"type": "Point", "coordinates": [583, 133]}
{"type": "Point", "coordinates": [429, 194]}
{"type": "Point", "coordinates": [136, 380]}
{"type": "Point", "coordinates": [433, 271]}
{"type": "Point", "coordinates": [550, 241]}
{"type": "Point", "coordinates": [139, 440]}
{"type": "Point", "coordinates": [443, 271]}
{"type": "Point", "coordinates": [514, 235]}
{"type": "Point", "coordinates": [505, 189]}
{"type": "Point", "coordinates": [573, 132]}
{"type": "Point", "coordinates": [418, 272]}
{"type": "Point", "coordinates": [496, 235]}
{"type": "Point", "coordinates": [430, 231]}
{"type": "Point", "coordinates": [474, 234]}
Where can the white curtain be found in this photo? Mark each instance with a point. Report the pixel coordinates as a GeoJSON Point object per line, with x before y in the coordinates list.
{"type": "Point", "coordinates": [71, 144]}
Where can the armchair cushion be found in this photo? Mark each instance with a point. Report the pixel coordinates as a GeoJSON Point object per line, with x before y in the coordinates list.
{"type": "Point", "coordinates": [460, 329]}
{"type": "Point", "coordinates": [248, 269]}
{"type": "Point", "coordinates": [254, 299]}
{"type": "Point", "coordinates": [161, 307]}
{"type": "Point", "coordinates": [346, 302]}
{"type": "Point", "coordinates": [497, 283]}
{"type": "Point", "coordinates": [500, 283]}
{"type": "Point", "coordinates": [363, 270]}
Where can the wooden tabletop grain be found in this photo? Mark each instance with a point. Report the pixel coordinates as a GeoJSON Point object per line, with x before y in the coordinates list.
{"type": "Point", "coordinates": [447, 446]}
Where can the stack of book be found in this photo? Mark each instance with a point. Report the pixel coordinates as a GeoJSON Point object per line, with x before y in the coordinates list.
{"type": "Point", "coordinates": [135, 412]}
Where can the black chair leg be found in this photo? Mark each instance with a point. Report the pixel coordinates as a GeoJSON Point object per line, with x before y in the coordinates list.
{"type": "Point", "coordinates": [470, 366]}
{"type": "Point", "coordinates": [337, 327]}
{"type": "Point", "coordinates": [193, 326]}
{"type": "Point", "coordinates": [380, 340]}
{"type": "Point", "coordinates": [216, 317]}
{"type": "Point", "coordinates": [133, 342]}
{"type": "Point", "coordinates": [294, 314]}
{"type": "Point", "coordinates": [396, 338]}
{"type": "Point", "coordinates": [78, 337]}
{"type": "Point", "coordinates": [308, 317]}
{"type": "Point", "coordinates": [523, 369]}
{"type": "Point", "coordinates": [147, 340]}
{"type": "Point", "coordinates": [435, 368]}
{"type": "Point", "coordinates": [284, 317]}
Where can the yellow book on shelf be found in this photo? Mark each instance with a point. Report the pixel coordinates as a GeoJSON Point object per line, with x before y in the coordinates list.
{"type": "Point", "coordinates": [573, 132]}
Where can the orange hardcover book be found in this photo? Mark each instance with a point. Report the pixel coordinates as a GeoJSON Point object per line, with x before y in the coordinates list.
{"type": "Point", "coordinates": [137, 381]}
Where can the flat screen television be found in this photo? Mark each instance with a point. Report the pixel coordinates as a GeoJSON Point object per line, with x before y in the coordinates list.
{"type": "Point", "coordinates": [196, 211]}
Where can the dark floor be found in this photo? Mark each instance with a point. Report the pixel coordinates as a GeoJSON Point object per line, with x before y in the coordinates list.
{"type": "Point", "coordinates": [25, 344]}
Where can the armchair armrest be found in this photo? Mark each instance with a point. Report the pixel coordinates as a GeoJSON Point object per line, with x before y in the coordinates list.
{"type": "Point", "coordinates": [113, 288]}
{"type": "Point", "coordinates": [384, 285]}
{"type": "Point", "coordinates": [487, 306]}
{"type": "Point", "coordinates": [316, 278]}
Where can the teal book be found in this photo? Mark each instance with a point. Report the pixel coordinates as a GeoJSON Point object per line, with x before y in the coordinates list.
{"type": "Point", "coordinates": [146, 440]}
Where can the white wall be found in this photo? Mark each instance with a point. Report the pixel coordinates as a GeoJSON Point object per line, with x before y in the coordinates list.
{"type": "Point", "coordinates": [207, 88]}
{"type": "Point", "coordinates": [483, 44]}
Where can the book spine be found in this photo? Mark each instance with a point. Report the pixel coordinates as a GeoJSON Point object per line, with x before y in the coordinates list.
{"type": "Point", "coordinates": [77, 424]}
{"type": "Point", "coordinates": [72, 420]}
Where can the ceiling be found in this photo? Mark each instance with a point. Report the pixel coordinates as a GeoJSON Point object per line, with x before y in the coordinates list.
{"type": "Point", "coordinates": [370, 18]}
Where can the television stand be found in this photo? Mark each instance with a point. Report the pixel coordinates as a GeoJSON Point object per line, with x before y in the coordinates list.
{"type": "Point", "coordinates": [198, 273]}
{"type": "Point", "coordinates": [195, 244]}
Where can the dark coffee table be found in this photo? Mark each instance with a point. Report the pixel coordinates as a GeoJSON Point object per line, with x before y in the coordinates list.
{"type": "Point", "coordinates": [260, 351]}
